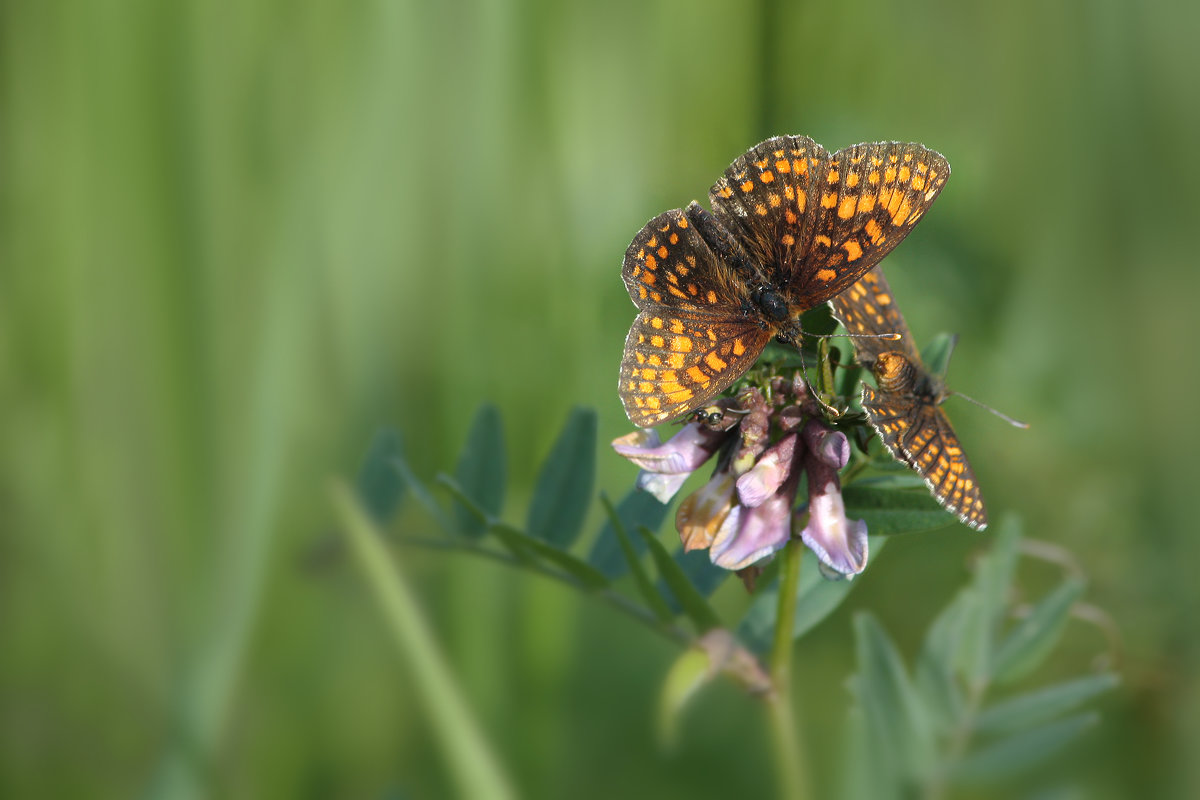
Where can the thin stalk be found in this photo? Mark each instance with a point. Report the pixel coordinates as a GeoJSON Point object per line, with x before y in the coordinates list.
{"type": "Point", "coordinates": [785, 737]}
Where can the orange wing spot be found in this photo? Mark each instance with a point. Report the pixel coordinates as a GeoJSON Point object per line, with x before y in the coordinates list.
{"type": "Point", "coordinates": [725, 191]}
{"type": "Point", "coordinates": [653, 242]}
{"type": "Point", "coordinates": [883, 299]}
{"type": "Point", "coordinates": [681, 344]}
{"type": "Point", "coordinates": [673, 278]}
{"type": "Point", "coordinates": [655, 361]}
{"type": "Point", "coordinates": [894, 203]}
{"type": "Point", "coordinates": [929, 195]}
{"type": "Point", "coordinates": [902, 213]}
{"type": "Point", "coordinates": [641, 359]}
{"type": "Point", "coordinates": [651, 262]}
{"type": "Point", "coordinates": [748, 186]}
{"type": "Point", "coordinates": [671, 387]}
{"type": "Point", "coordinates": [866, 203]}
{"type": "Point", "coordinates": [637, 271]}
{"type": "Point", "coordinates": [846, 207]}
{"type": "Point", "coordinates": [691, 261]}
{"type": "Point", "coordinates": [833, 176]}
{"type": "Point", "coordinates": [760, 209]}
{"type": "Point", "coordinates": [788, 192]}
{"type": "Point", "coordinates": [656, 323]}
{"type": "Point", "coordinates": [675, 360]}
{"type": "Point", "coordinates": [693, 289]}
{"type": "Point", "coordinates": [669, 375]}
{"type": "Point", "coordinates": [698, 375]}
{"type": "Point", "coordinates": [714, 362]}
{"type": "Point", "coordinates": [656, 297]}
{"type": "Point", "coordinates": [683, 222]}
{"type": "Point", "coordinates": [676, 293]}
{"type": "Point", "coordinates": [873, 177]}
{"type": "Point", "coordinates": [645, 387]}
{"type": "Point", "coordinates": [907, 157]}
{"type": "Point", "coordinates": [658, 341]}
{"type": "Point", "coordinates": [889, 176]}
{"type": "Point", "coordinates": [876, 161]}
{"type": "Point", "coordinates": [905, 173]}
{"type": "Point", "coordinates": [635, 373]}
{"type": "Point", "coordinates": [662, 251]}
{"type": "Point", "coordinates": [674, 238]}
{"type": "Point", "coordinates": [874, 230]}
{"type": "Point", "coordinates": [852, 179]}
{"type": "Point", "coordinates": [878, 319]}
{"type": "Point", "coordinates": [800, 165]}
{"type": "Point", "coordinates": [782, 165]}
{"type": "Point", "coordinates": [916, 215]}
{"type": "Point", "coordinates": [823, 240]}
{"type": "Point", "coordinates": [676, 326]}
{"type": "Point", "coordinates": [893, 158]}
{"type": "Point", "coordinates": [642, 292]}
{"type": "Point", "coordinates": [738, 347]}
{"type": "Point", "coordinates": [641, 339]}
{"type": "Point", "coordinates": [918, 182]}
{"type": "Point", "coordinates": [761, 163]}
{"type": "Point", "coordinates": [867, 307]}
{"type": "Point", "coordinates": [790, 216]}
{"type": "Point", "coordinates": [649, 278]}
{"type": "Point", "coordinates": [649, 374]}
{"type": "Point", "coordinates": [787, 239]}
{"type": "Point", "coordinates": [853, 250]}
{"type": "Point", "coordinates": [829, 200]}
{"type": "Point", "coordinates": [773, 200]}
{"type": "Point", "coordinates": [711, 297]}
{"type": "Point", "coordinates": [675, 398]}
{"type": "Point", "coordinates": [767, 176]}
{"type": "Point", "coordinates": [712, 337]}
{"type": "Point", "coordinates": [653, 403]}
{"type": "Point", "coordinates": [801, 202]}
{"type": "Point", "coordinates": [826, 275]}
{"type": "Point", "coordinates": [968, 484]}
{"type": "Point", "coordinates": [639, 401]}
{"type": "Point", "coordinates": [922, 167]}
{"type": "Point", "coordinates": [681, 270]}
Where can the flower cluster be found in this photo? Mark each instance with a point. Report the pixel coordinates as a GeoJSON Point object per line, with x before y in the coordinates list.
{"type": "Point", "coordinates": [745, 512]}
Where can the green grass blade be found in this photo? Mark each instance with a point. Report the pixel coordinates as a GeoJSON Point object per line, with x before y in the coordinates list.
{"type": "Point", "coordinates": [1020, 752]}
{"type": "Point", "coordinates": [589, 576]}
{"type": "Point", "coordinates": [644, 586]}
{"type": "Point", "coordinates": [636, 508]}
{"type": "Point", "coordinates": [474, 767]}
{"type": "Point", "coordinates": [1034, 708]}
{"type": "Point", "coordinates": [1033, 638]}
{"type": "Point", "coordinates": [693, 603]}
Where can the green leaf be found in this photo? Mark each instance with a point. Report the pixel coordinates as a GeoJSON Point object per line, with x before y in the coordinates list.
{"type": "Point", "coordinates": [694, 605]}
{"type": "Point", "coordinates": [1043, 705]}
{"type": "Point", "coordinates": [936, 354]}
{"type": "Point", "coordinates": [481, 470]}
{"type": "Point", "coordinates": [636, 508]}
{"type": "Point", "coordinates": [474, 768]}
{"type": "Point", "coordinates": [889, 511]}
{"type": "Point", "coordinates": [701, 572]}
{"type": "Point", "coordinates": [653, 598]}
{"type": "Point", "coordinates": [934, 672]}
{"type": "Point", "coordinates": [992, 586]}
{"type": "Point", "coordinates": [816, 598]}
{"type": "Point", "coordinates": [589, 576]}
{"type": "Point", "coordinates": [564, 487]}
{"type": "Point", "coordinates": [379, 485]}
{"type": "Point", "coordinates": [898, 727]}
{"type": "Point", "coordinates": [420, 492]}
{"type": "Point", "coordinates": [1021, 751]}
{"type": "Point", "coordinates": [692, 670]}
{"type": "Point", "coordinates": [1032, 639]}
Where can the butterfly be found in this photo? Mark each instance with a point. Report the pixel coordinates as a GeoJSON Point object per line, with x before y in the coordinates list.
{"type": "Point", "coordinates": [905, 410]}
{"type": "Point", "coordinates": [791, 227]}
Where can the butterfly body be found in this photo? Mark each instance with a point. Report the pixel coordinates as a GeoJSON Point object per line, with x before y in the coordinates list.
{"type": "Point", "coordinates": [791, 227]}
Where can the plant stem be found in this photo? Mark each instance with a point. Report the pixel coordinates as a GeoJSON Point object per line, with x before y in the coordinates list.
{"type": "Point", "coordinates": [785, 737]}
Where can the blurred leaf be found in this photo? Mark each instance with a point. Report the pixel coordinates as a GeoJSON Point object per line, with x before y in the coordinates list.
{"type": "Point", "coordinates": [694, 605]}
{"type": "Point", "coordinates": [379, 484]}
{"type": "Point", "coordinates": [465, 503]}
{"type": "Point", "coordinates": [1032, 639]}
{"type": "Point", "coordinates": [816, 598]}
{"type": "Point", "coordinates": [636, 508]}
{"type": "Point", "coordinates": [482, 470]}
{"type": "Point", "coordinates": [936, 354]}
{"type": "Point", "coordinates": [474, 768]}
{"type": "Point", "coordinates": [692, 670]}
{"type": "Point", "coordinates": [700, 570]}
{"type": "Point", "coordinates": [991, 586]}
{"type": "Point", "coordinates": [934, 674]}
{"type": "Point", "coordinates": [589, 576]}
{"type": "Point", "coordinates": [1021, 751]}
{"type": "Point", "coordinates": [898, 476]}
{"type": "Point", "coordinates": [564, 487]}
{"type": "Point", "coordinates": [889, 511]}
{"type": "Point", "coordinates": [1043, 705]}
{"type": "Point", "coordinates": [899, 731]}
{"type": "Point", "coordinates": [420, 492]}
{"type": "Point", "coordinates": [653, 598]}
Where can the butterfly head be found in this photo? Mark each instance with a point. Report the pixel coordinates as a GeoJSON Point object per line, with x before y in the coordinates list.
{"type": "Point", "coordinates": [770, 303]}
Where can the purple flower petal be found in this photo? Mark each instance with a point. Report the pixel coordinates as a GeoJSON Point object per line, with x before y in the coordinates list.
{"type": "Point", "coordinates": [662, 486]}
{"type": "Point", "coordinates": [840, 543]}
{"type": "Point", "coordinates": [751, 534]}
{"type": "Point", "coordinates": [830, 446]}
{"type": "Point", "coordinates": [766, 476]}
{"type": "Point", "coordinates": [702, 513]}
{"type": "Point", "coordinates": [682, 453]}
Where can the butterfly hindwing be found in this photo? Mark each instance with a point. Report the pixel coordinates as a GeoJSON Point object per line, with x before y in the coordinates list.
{"type": "Point", "coordinates": [675, 363]}
{"type": "Point", "coordinates": [867, 309]}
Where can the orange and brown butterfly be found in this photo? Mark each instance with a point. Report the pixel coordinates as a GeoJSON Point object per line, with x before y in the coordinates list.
{"type": "Point", "coordinates": [905, 410]}
{"type": "Point", "coordinates": [791, 227]}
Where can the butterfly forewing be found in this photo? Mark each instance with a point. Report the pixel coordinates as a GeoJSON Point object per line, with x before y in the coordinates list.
{"type": "Point", "coordinates": [868, 200]}
{"type": "Point", "coordinates": [764, 199]}
{"type": "Point", "coordinates": [868, 309]}
{"type": "Point", "coordinates": [668, 266]}
{"type": "Point", "coordinates": [675, 363]}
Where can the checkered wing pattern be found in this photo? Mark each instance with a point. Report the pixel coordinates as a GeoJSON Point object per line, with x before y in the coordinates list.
{"type": "Point", "coordinates": [868, 309]}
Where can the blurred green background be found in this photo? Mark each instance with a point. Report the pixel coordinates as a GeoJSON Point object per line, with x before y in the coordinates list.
{"type": "Point", "coordinates": [238, 238]}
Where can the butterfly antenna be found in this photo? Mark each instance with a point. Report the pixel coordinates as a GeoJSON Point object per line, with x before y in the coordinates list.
{"type": "Point", "coordinates": [1016, 423]}
{"type": "Point", "coordinates": [890, 337]}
